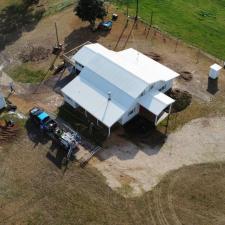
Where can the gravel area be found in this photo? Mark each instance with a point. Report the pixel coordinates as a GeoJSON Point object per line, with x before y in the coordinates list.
{"type": "Point", "coordinates": [142, 167]}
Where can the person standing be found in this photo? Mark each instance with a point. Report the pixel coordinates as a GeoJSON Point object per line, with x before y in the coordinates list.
{"type": "Point", "coordinates": [11, 87]}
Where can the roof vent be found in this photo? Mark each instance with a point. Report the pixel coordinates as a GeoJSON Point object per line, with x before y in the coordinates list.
{"type": "Point", "coordinates": [109, 96]}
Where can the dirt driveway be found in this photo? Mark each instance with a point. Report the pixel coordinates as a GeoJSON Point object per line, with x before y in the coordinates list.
{"type": "Point", "coordinates": [142, 167]}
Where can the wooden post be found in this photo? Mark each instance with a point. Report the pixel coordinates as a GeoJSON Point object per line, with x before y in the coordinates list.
{"type": "Point", "coordinates": [198, 54]}
{"type": "Point", "coordinates": [168, 117]}
{"type": "Point", "coordinates": [137, 10]}
{"type": "Point", "coordinates": [56, 32]}
{"type": "Point", "coordinates": [127, 15]}
{"type": "Point", "coordinates": [156, 118]}
{"type": "Point", "coordinates": [109, 131]}
{"type": "Point", "coordinates": [150, 25]}
{"type": "Point", "coordinates": [176, 45]}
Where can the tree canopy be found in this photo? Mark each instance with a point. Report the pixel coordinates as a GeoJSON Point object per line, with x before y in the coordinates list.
{"type": "Point", "coordinates": [90, 10]}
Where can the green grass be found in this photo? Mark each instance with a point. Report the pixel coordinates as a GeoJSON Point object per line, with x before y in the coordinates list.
{"type": "Point", "coordinates": [198, 22]}
{"type": "Point", "coordinates": [26, 74]}
{"type": "Point", "coordinates": [57, 6]}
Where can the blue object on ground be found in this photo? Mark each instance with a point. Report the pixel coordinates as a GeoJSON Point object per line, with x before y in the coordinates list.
{"type": "Point", "coordinates": [107, 25]}
{"type": "Point", "coordinates": [43, 116]}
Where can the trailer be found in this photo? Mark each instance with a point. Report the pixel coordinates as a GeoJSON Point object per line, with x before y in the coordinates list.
{"type": "Point", "coordinates": [48, 126]}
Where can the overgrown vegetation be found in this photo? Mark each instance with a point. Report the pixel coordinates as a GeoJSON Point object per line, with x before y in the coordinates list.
{"type": "Point", "coordinates": [26, 74]}
{"type": "Point", "coordinates": [200, 23]}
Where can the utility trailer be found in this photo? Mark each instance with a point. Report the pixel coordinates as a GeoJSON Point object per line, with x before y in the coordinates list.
{"type": "Point", "coordinates": [65, 139]}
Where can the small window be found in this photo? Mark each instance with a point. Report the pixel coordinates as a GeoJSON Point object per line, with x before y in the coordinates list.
{"type": "Point", "coordinates": [69, 98]}
{"type": "Point", "coordinates": [163, 87]}
{"type": "Point", "coordinates": [79, 64]}
{"type": "Point", "coordinates": [131, 112]}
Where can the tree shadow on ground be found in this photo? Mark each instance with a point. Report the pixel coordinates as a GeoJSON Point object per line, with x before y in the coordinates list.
{"type": "Point", "coordinates": [82, 35]}
{"type": "Point", "coordinates": [17, 18]}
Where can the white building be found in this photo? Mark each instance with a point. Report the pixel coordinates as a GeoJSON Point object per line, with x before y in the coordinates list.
{"type": "Point", "coordinates": [112, 86]}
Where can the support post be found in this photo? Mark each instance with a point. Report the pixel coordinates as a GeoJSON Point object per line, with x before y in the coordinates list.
{"type": "Point", "coordinates": [168, 117]}
{"type": "Point", "coordinates": [156, 118]}
{"type": "Point", "coordinates": [97, 122]}
{"type": "Point", "coordinates": [109, 131]}
{"type": "Point", "coordinates": [56, 32]}
{"type": "Point", "coordinates": [85, 112]}
{"type": "Point", "coordinates": [150, 25]}
{"type": "Point", "coordinates": [137, 10]}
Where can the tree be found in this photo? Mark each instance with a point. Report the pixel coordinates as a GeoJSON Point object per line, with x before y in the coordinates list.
{"type": "Point", "coordinates": [90, 10]}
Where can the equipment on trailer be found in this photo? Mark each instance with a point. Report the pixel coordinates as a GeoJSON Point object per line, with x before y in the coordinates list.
{"type": "Point", "coordinates": [2, 102]}
{"type": "Point", "coordinates": [50, 127]}
{"type": "Point", "coordinates": [6, 104]}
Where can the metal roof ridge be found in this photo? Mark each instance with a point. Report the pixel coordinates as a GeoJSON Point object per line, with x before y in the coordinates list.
{"type": "Point", "coordinates": [102, 93]}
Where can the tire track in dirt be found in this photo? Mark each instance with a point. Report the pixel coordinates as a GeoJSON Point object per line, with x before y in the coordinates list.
{"type": "Point", "coordinates": [150, 210]}
{"type": "Point", "coordinates": [159, 210]}
{"type": "Point", "coordinates": [170, 201]}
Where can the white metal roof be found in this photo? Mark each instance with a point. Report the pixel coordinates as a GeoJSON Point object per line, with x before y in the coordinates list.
{"type": "Point", "coordinates": [124, 74]}
{"type": "Point", "coordinates": [94, 100]}
{"type": "Point", "coordinates": [108, 65]}
{"type": "Point", "coordinates": [216, 67]}
{"type": "Point", "coordinates": [97, 82]}
{"type": "Point", "coordinates": [155, 101]}
{"type": "Point", "coordinates": [146, 68]}
{"type": "Point", "coordinates": [129, 70]}
{"type": "Point", "coordinates": [90, 51]}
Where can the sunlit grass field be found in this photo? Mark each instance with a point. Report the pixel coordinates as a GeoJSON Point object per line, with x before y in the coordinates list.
{"type": "Point", "coordinates": [198, 22]}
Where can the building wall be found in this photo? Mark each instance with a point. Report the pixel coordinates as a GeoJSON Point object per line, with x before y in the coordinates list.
{"type": "Point", "coordinates": [132, 112]}
{"type": "Point", "coordinates": [70, 102]}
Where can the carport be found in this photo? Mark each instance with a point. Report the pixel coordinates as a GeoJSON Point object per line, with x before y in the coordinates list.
{"type": "Point", "coordinates": [156, 102]}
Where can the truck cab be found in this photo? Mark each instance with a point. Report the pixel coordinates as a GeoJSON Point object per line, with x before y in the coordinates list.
{"type": "Point", "coordinates": [42, 119]}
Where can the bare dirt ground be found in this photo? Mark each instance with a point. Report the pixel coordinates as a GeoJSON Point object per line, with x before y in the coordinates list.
{"type": "Point", "coordinates": [142, 167]}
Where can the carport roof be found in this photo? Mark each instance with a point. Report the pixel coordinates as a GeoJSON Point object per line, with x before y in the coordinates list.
{"type": "Point", "coordinates": [155, 102]}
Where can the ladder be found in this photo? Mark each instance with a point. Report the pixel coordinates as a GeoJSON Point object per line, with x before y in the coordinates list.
{"type": "Point", "coordinates": [86, 158]}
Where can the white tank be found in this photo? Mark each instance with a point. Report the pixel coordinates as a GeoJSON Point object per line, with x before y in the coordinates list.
{"type": "Point", "coordinates": [214, 71]}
